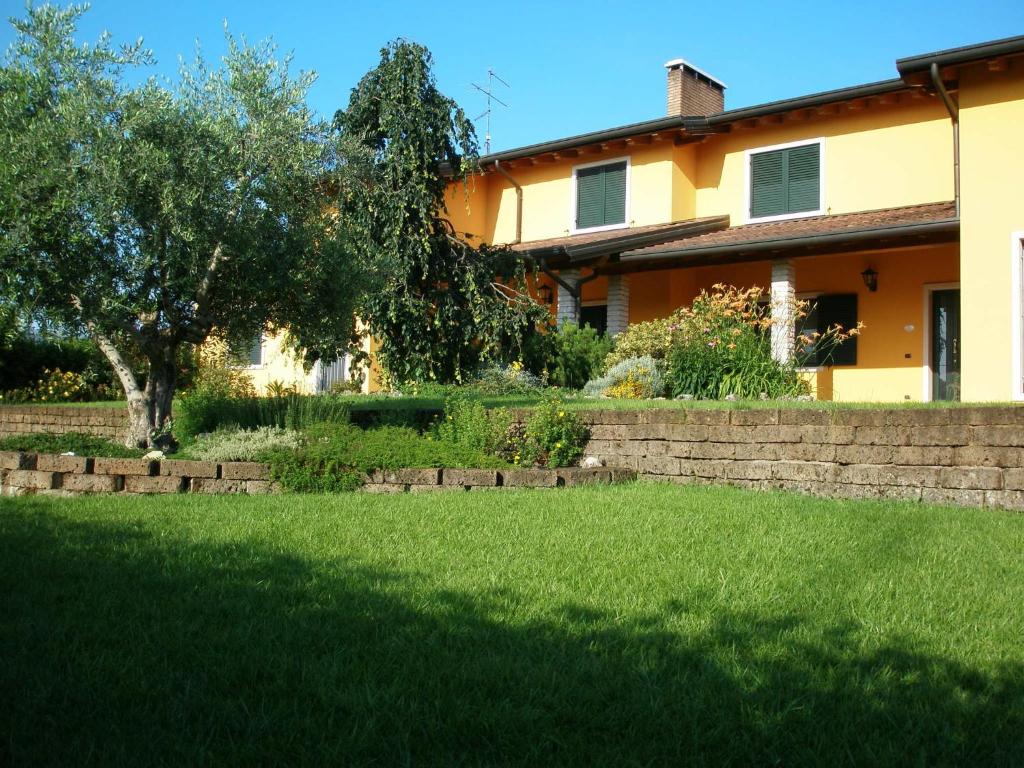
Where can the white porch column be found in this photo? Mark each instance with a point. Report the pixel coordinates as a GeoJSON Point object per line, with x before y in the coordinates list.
{"type": "Point", "coordinates": [618, 304]}
{"type": "Point", "coordinates": [567, 309]}
{"type": "Point", "coordinates": [783, 298]}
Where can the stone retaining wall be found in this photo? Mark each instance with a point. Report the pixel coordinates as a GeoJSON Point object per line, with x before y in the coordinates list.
{"type": "Point", "coordinates": [30, 473]}
{"type": "Point", "coordinates": [969, 456]}
{"type": "Point", "coordinates": [103, 421]}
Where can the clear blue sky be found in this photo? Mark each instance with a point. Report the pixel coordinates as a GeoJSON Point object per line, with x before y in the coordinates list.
{"type": "Point", "coordinates": [573, 67]}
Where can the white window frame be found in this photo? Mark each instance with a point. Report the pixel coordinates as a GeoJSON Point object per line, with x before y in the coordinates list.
{"type": "Point", "coordinates": [927, 390]}
{"type": "Point", "coordinates": [575, 183]}
{"type": "Point", "coordinates": [1017, 306]}
{"type": "Point", "coordinates": [748, 159]}
{"type": "Point", "coordinates": [263, 357]}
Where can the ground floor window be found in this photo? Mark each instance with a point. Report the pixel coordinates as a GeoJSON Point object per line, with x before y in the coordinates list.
{"type": "Point", "coordinates": [826, 311]}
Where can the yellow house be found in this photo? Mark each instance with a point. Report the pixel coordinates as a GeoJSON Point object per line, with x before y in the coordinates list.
{"type": "Point", "coordinates": [899, 204]}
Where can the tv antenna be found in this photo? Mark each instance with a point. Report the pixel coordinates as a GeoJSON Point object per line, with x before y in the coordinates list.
{"type": "Point", "coordinates": [489, 93]}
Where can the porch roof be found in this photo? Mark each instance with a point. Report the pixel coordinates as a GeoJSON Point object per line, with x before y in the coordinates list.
{"type": "Point", "coordinates": [588, 246]}
{"type": "Point", "coordinates": [812, 235]}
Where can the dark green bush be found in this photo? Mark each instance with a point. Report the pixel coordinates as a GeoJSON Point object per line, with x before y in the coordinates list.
{"type": "Point", "coordinates": [337, 457]}
{"type": "Point", "coordinates": [577, 356]}
{"type": "Point", "coordinates": [205, 409]}
{"type": "Point", "coordinates": [73, 442]}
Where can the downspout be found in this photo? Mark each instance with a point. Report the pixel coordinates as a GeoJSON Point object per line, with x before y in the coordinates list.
{"type": "Point", "coordinates": [954, 115]}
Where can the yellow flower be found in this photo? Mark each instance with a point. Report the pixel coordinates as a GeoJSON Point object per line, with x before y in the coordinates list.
{"type": "Point", "coordinates": [561, 414]}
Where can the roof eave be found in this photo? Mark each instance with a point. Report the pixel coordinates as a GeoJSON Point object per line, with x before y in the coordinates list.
{"type": "Point", "coordinates": [1008, 46]}
{"type": "Point", "coordinates": [859, 236]}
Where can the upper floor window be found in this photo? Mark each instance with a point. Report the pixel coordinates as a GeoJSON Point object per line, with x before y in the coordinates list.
{"type": "Point", "coordinates": [785, 181]}
{"type": "Point", "coordinates": [601, 192]}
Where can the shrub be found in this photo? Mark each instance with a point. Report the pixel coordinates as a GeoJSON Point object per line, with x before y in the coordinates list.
{"type": "Point", "coordinates": [512, 379]}
{"type": "Point", "coordinates": [635, 378]}
{"type": "Point", "coordinates": [577, 355]}
{"type": "Point", "coordinates": [57, 386]}
{"type": "Point", "coordinates": [337, 457]}
{"type": "Point", "coordinates": [468, 424]}
{"type": "Point", "coordinates": [554, 437]}
{"type": "Point", "coordinates": [244, 444]}
{"type": "Point", "coordinates": [650, 339]}
{"type": "Point", "coordinates": [206, 409]}
{"type": "Point", "coordinates": [721, 347]}
{"type": "Point", "coordinates": [68, 442]}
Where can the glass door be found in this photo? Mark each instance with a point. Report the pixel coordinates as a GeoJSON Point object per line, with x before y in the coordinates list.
{"type": "Point", "coordinates": [946, 344]}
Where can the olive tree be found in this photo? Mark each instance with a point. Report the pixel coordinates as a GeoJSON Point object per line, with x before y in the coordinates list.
{"type": "Point", "coordinates": [152, 214]}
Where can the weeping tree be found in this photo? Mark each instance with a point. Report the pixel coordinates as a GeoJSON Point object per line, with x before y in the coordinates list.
{"type": "Point", "coordinates": [446, 305]}
{"type": "Point", "coordinates": [153, 214]}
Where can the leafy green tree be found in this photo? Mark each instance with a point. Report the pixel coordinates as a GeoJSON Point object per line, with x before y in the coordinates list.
{"type": "Point", "coordinates": [446, 305]}
{"type": "Point", "coordinates": [153, 214]}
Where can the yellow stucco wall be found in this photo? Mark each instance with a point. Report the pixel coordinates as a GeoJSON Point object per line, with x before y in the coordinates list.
{"type": "Point", "coordinates": [992, 208]}
{"type": "Point", "coordinates": [880, 157]}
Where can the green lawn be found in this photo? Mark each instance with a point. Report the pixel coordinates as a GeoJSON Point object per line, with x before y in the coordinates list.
{"type": "Point", "coordinates": [639, 625]}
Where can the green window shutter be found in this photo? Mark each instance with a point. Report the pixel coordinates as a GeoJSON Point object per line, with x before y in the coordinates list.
{"type": "Point", "coordinates": [601, 196]}
{"type": "Point", "coordinates": [767, 184]}
{"type": "Point", "coordinates": [804, 166]}
{"type": "Point", "coordinates": [785, 181]}
{"type": "Point", "coordinates": [838, 309]}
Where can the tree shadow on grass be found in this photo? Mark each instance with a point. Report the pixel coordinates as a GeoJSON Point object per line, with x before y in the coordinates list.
{"type": "Point", "coordinates": [121, 647]}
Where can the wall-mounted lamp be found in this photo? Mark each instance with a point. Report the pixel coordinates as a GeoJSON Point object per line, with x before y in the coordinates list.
{"type": "Point", "coordinates": [870, 279]}
{"type": "Point", "coordinates": [545, 294]}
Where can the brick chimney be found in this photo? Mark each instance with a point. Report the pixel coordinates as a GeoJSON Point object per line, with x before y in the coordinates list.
{"type": "Point", "coordinates": [692, 91]}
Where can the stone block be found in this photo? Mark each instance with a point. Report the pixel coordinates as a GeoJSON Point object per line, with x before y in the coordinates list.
{"type": "Point", "coordinates": [730, 434]}
{"type": "Point", "coordinates": [831, 435]}
{"type": "Point", "coordinates": [856, 417]}
{"type": "Point", "coordinates": [712, 450]}
{"type": "Point", "coordinates": [749, 470]}
{"type": "Point", "coordinates": [918, 417]}
{"type": "Point", "coordinates": [987, 415]}
{"type": "Point", "coordinates": [260, 487]}
{"type": "Point", "coordinates": [988, 456]}
{"type": "Point", "coordinates": [17, 460]}
{"type": "Point", "coordinates": [705, 468]}
{"type": "Point", "coordinates": [882, 436]}
{"type": "Point", "coordinates": [707, 416]}
{"type": "Point", "coordinates": [141, 484]}
{"type": "Point", "coordinates": [975, 478]}
{"type": "Point", "coordinates": [754, 416]}
{"type": "Point", "coordinates": [470, 477]}
{"type": "Point", "coordinates": [693, 433]}
{"type": "Point", "coordinates": [413, 488]}
{"type": "Point", "coordinates": [927, 455]}
{"type": "Point", "coordinates": [1005, 499]}
{"type": "Point", "coordinates": [652, 431]}
{"type": "Point", "coordinates": [214, 485]}
{"type": "Point", "coordinates": [621, 475]}
{"type": "Point", "coordinates": [679, 449]}
{"type": "Point", "coordinates": [808, 452]}
{"type": "Point", "coordinates": [529, 478]}
{"type": "Point", "coordinates": [864, 454]}
{"type": "Point", "coordinates": [1013, 479]}
{"type": "Point", "coordinates": [575, 476]}
{"type": "Point", "coordinates": [805, 416]}
{"type": "Point", "coordinates": [49, 462]}
{"type": "Point", "coordinates": [207, 469]}
{"type": "Point", "coordinates": [425, 476]}
{"type": "Point", "coordinates": [140, 467]}
{"type": "Point", "coordinates": [93, 483]}
{"type": "Point", "coordinates": [953, 496]}
{"type": "Point", "coordinates": [1011, 436]}
{"type": "Point", "coordinates": [384, 488]}
{"type": "Point", "coordinates": [955, 434]}
{"type": "Point", "coordinates": [32, 479]}
{"type": "Point", "coordinates": [658, 465]}
{"type": "Point", "coordinates": [758, 451]}
{"type": "Point", "coordinates": [245, 470]}
{"type": "Point", "coordinates": [802, 471]}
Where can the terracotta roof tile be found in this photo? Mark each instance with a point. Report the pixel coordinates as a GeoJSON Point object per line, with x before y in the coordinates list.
{"type": "Point", "coordinates": [809, 226]}
{"type": "Point", "coordinates": [608, 235]}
